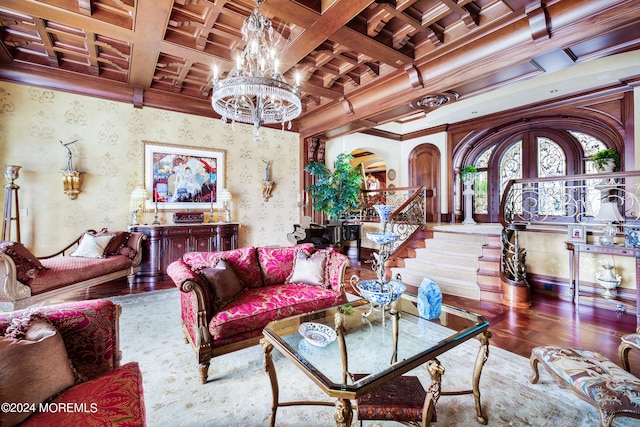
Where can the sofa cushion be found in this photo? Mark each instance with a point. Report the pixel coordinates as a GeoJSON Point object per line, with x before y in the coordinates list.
{"type": "Point", "coordinates": [64, 270]}
{"type": "Point", "coordinates": [308, 269]}
{"type": "Point", "coordinates": [27, 264]}
{"type": "Point", "coordinates": [276, 263]}
{"type": "Point", "coordinates": [223, 282]}
{"type": "Point", "coordinates": [93, 246]}
{"type": "Point", "coordinates": [113, 399]}
{"type": "Point", "coordinates": [33, 368]}
{"type": "Point", "coordinates": [243, 261]}
{"type": "Point", "coordinates": [255, 308]}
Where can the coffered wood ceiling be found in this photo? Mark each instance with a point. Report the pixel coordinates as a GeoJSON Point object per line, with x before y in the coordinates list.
{"type": "Point", "coordinates": [363, 62]}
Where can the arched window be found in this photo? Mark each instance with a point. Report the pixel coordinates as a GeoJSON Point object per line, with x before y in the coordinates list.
{"type": "Point", "coordinates": [533, 153]}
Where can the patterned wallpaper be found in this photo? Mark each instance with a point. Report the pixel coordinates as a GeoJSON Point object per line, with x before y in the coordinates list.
{"type": "Point", "coordinates": [109, 150]}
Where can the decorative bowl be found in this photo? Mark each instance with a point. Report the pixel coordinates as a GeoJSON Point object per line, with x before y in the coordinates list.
{"type": "Point", "coordinates": [370, 290]}
{"type": "Point", "coordinates": [317, 334]}
{"type": "Point", "coordinates": [384, 211]}
{"type": "Point", "coordinates": [382, 238]}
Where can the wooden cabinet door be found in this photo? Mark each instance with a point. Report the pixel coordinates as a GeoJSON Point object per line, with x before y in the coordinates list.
{"type": "Point", "coordinates": [227, 237]}
{"type": "Point", "coordinates": [203, 239]}
{"type": "Point", "coordinates": [177, 241]}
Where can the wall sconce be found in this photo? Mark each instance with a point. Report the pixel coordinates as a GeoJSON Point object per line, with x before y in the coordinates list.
{"type": "Point", "coordinates": [136, 203]}
{"type": "Point", "coordinates": [71, 183]}
{"type": "Point", "coordinates": [225, 198]}
{"type": "Point", "coordinates": [267, 184]}
{"type": "Point", "coordinates": [70, 177]}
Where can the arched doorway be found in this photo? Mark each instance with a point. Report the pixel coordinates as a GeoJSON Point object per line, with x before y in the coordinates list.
{"type": "Point", "coordinates": [424, 169]}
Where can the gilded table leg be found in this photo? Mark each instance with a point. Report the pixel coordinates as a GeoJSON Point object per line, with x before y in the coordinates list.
{"type": "Point", "coordinates": [343, 413]}
{"type": "Point", "coordinates": [436, 370]}
{"type": "Point", "coordinates": [483, 355]}
{"type": "Point", "coordinates": [271, 370]}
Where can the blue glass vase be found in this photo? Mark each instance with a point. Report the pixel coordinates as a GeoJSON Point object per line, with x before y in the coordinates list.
{"type": "Point", "coordinates": [429, 299]}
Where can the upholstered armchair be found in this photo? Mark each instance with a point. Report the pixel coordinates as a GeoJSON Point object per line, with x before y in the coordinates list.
{"type": "Point", "coordinates": [109, 394]}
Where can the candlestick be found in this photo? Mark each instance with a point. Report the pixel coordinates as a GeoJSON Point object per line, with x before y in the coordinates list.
{"type": "Point", "coordinates": [156, 221]}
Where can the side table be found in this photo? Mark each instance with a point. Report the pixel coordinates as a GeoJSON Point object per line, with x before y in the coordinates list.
{"type": "Point", "coordinates": [575, 249]}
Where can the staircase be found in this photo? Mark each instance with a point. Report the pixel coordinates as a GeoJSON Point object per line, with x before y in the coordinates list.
{"type": "Point", "coordinates": [463, 259]}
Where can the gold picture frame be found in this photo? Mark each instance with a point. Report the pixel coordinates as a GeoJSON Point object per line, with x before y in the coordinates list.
{"type": "Point", "coordinates": [179, 177]}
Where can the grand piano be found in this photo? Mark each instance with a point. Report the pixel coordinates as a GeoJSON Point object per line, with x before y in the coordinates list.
{"type": "Point", "coordinates": [323, 236]}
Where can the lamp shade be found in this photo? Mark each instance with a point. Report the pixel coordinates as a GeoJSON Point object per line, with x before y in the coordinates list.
{"type": "Point", "coordinates": [609, 212]}
{"type": "Point", "coordinates": [225, 196]}
{"type": "Point", "coordinates": [139, 193]}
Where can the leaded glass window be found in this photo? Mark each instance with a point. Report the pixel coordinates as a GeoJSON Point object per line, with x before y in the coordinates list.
{"type": "Point", "coordinates": [481, 185]}
{"type": "Point", "coordinates": [551, 162]}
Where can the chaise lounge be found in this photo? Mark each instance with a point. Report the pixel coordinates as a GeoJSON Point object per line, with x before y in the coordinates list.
{"type": "Point", "coordinates": [227, 298]}
{"type": "Point", "coordinates": [91, 259]}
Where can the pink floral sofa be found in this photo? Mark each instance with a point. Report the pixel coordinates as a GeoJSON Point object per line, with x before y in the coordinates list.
{"type": "Point", "coordinates": [91, 259]}
{"type": "Point", "coordinates": [270, 283]}
{"type": "Point", "coordinates": [99, 392]}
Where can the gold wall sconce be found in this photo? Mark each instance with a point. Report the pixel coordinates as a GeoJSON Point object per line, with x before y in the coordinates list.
{"type": "Point", "coordinates": [267, 184]}
{"type": "Point", "coordinates": [71, 181]}
{"type": "Point", "coordinates": [267, 187]}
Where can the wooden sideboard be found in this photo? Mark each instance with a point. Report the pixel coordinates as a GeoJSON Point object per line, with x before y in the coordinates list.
{"type": "Point", "coordinates": [168, 242]}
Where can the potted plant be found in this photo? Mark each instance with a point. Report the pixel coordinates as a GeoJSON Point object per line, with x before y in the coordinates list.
{"type": "Point", "coordinates": [606, 160]}
{"type": "Point", "coordinates": [468, 173]}
{"type": "Point", "coordinates": [336, 192]}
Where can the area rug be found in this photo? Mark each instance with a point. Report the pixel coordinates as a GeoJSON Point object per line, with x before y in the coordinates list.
{"type": "Point", "coordinates": [239, 394]}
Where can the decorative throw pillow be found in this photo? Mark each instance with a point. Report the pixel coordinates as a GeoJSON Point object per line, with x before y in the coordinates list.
{"type": "Point", "coordinates": [308, 269]}
{"type": "Point", "coordinates": [92, 246]}
{"type": "Point", "coordinates": [126, 251]}
{"type": "Point", "coordinates": [32, 369]}
{"type": "Point", "coordinates": [223, 282]}
{"type": "Point", "coordinates": [27, 264]}
{"type": "Point", "coordinates": [118, 242]}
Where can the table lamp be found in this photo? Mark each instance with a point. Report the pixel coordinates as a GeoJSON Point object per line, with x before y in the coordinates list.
{"type": "Point", "coordinates": [225, 197]}
{"type": "Point", "coordinates": [136, 203]}
{"type": "Point", "coordinates": [609, 213]}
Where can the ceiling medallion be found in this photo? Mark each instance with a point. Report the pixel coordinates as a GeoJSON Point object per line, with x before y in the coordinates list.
{"type": "Point", "coordinates": [435, 100]}
{"type": "Point", "coordinates": [254, 91]}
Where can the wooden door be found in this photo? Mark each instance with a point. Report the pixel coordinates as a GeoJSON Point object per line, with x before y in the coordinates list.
{"type": "Point", "coordinates": [424, 169]}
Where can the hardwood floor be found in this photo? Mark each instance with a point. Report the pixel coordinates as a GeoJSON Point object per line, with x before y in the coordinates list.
{"type": "Point", "coordinates": [548, 321]}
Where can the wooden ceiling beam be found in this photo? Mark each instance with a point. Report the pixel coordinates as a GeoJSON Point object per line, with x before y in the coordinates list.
{"type": "Point", "coordinates": [363, 44]}
{"type": "Point", "coordinates": [51, 13]}
{"type": "Point", "coordinates": [47, 44]}
{"type": "Point", "coordinates": [151, 21]}
{"type": "Point", "coordinates": [336, 17]}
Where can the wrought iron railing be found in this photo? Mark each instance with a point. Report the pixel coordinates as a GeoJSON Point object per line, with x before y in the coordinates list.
{"type": "Point", "coordinates": [561, 201]}
{"type": "Point", "coordinates": [408, 217]}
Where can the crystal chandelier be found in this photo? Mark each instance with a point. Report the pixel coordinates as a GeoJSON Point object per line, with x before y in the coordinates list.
{"type": "Point", "coordinates": [255, 91]}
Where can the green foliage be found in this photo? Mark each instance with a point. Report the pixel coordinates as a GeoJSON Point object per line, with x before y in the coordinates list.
{"type": "Point", "coordinates": [602, 156]}
{"type": "Point", "coordinates": [468, 172]}
{"type": "Point", "coordinates": [335, 192]}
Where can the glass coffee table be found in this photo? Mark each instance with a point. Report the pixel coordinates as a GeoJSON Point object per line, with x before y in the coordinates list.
{"type": "Point", "coordinates": [381, 348]}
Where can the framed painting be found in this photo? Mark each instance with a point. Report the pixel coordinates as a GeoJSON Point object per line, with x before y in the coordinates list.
{"type": "Point", "coordinates": [577, 233]}
{"type": "Point", "coordinates": [180, 177]}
